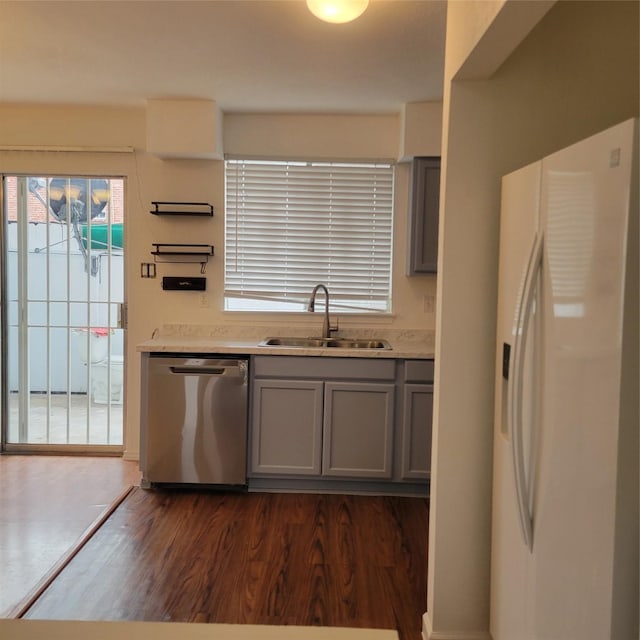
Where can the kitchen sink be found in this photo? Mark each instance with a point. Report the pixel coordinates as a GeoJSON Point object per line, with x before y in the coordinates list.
{"type": "Point", "coordinates": [324, 343]}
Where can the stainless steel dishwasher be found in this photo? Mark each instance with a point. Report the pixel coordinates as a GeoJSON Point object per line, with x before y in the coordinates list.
{"type": "Point", "coordinates": [194, 427]}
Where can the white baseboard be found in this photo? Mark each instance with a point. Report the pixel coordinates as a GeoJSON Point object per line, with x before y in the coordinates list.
{"type": "Point", "coordinates": [131, 455]}
{"type": "Point", "coordinates": [429, 634]}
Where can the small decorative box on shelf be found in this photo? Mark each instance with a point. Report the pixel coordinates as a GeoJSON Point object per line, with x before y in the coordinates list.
{"type": "Point", "coordinates": [181, 209]}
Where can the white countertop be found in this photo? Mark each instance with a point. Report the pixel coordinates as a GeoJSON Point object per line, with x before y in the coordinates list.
{"type": "Point", "coordinates": [250, 346]}
{"type": "Point", "coordinates": [78, 630]}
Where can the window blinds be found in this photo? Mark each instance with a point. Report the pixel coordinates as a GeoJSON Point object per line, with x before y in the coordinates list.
{"type": "Point", "coordinates": [291, 225]}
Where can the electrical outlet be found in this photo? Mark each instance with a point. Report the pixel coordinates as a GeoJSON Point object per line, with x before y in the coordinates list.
{"type": "Point", "coordinates": [428, 303]}
{"type": "Point", "coordinates": [204, 300]}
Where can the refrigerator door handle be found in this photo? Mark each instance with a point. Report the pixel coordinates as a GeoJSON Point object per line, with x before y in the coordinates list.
{"type": "Point", "coordinates": [515, 389]}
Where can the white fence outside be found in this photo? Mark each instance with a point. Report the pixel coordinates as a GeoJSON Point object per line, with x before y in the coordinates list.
{"type": "Point", "coordinates": [68, 310]}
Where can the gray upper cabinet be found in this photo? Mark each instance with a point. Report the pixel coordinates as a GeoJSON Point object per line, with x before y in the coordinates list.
{"type": "Point", "coordinates": [424, 205]}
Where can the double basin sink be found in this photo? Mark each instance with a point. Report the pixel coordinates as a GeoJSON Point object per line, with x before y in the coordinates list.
{"type": "Point", "coordinates": [324, 343]}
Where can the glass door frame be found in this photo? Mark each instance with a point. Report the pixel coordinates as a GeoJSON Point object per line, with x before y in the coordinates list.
{"type": "Point", "coordinates": [5, 405]}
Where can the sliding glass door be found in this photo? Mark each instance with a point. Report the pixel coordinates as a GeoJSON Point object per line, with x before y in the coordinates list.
{"type": "Point", "coordinates": [63, 293]}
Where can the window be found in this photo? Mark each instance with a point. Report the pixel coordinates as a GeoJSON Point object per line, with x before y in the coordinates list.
{"type": "Point", "coordinates": [292, 225]}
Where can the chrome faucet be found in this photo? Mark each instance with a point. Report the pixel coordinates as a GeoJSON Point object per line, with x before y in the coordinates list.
{"type": "Point", "coordinates": [326, 325]}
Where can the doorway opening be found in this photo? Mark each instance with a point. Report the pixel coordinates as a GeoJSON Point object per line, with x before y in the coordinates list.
{"type": "Point", "coordinates": [62, 313]}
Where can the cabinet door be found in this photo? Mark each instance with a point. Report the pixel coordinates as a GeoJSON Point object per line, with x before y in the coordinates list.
{"type": "Point", "coordinates": [416, 431]}
{"type": "Point", "coordinates": [287, 427]}
{"type": "Point", "coordinates": [424, 212]}
{"type": "Point", "coordinates": [358, 429]}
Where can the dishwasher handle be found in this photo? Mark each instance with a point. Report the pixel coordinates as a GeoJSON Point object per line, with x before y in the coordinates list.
{"type": "Point", "coordinates": [238, 371]}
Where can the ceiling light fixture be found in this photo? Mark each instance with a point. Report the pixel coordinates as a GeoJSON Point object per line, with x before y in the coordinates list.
{"type": "Point", "coordinates": [337, 11]}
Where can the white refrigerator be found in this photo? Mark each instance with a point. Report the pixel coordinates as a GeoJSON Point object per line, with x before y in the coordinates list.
{"type": "Point", "coordinates": [565, 498]}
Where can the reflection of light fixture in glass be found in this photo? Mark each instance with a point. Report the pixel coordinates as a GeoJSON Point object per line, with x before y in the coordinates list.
{"type": "Point", "coordinates": [337, 10]}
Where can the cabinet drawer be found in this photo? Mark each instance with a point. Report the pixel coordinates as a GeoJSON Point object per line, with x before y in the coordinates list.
{"type": "Point", "coordinates": [418, 371]}
{"type": "Point", "coordinates": [322, 367]}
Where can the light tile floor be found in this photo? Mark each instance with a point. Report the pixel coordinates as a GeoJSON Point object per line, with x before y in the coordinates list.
{"type": "Point", "coordinates": [72, 419]}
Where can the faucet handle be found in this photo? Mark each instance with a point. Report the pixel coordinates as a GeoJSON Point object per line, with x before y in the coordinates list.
{"type": "Point", "coordinates": [336, 327]}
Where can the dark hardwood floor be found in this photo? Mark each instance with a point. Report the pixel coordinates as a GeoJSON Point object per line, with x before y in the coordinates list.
{"type": "Point", "coordinates": [257, 558]}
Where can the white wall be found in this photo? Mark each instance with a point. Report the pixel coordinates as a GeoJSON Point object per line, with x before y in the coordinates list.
{"type": "Point", "coordinates": [575, 73]}
{"type": "Point", "coordinates": [313, 136]}
{"type": "Point", "coordinates": [150, 178]}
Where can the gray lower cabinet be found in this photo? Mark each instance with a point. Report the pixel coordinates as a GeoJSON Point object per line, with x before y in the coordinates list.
{"type": "Point", "coordinates": [326, 419]}
{"type": "Point", "coordinates": [287, 427]}
{"type": "Point", "coordinates": [416, 431]}
{"type": "Point", "coordinates": [358, 429]}
{"type": "Point", "coordinates": [322, 417]}
{"type": "Point", "coordinates": [417, 414]}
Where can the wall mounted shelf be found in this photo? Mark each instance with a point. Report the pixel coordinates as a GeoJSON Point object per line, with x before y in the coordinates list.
{"type": "Point", "coordinates": [182, 209]}
{"type": "Point", "coordinates": [186, 253]}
